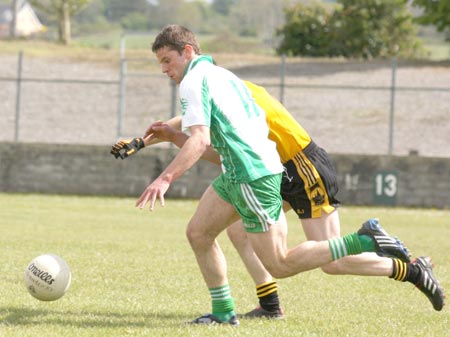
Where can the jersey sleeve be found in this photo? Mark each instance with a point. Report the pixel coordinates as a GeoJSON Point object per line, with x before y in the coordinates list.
{"type": "Point", "coordinates": [195, 102]}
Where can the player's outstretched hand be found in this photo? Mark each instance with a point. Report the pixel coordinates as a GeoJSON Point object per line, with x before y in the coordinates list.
{"type": "Point", "coordinates": [125, 148]}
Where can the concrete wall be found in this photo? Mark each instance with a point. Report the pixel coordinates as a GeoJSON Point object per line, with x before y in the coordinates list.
{"type": "Point", "coordinates": [403, 181]}
{"type": "Point", "coordinates": [91, 170]}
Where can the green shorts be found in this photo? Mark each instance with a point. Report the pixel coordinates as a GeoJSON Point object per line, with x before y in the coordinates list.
{"type": "Point", "coordinates": [258, 202]}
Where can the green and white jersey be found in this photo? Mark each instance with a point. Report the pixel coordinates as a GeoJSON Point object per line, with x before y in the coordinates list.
{"type": "Point", "coordinates": [215, 97]}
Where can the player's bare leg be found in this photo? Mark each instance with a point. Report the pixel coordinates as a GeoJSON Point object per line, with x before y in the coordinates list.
{"type": "Point", "coordinates": [255, 268]}
{"type": "Point", "coordinates": [266, 287]}
{"type": "Point", "coordinates": [271, 249]}
{"type": "Point", "coordinates": [212, 216]}
{"type": "Point", "coordinates": [418, 272]}
{"type": "Point", "coordinates": [367, 264]}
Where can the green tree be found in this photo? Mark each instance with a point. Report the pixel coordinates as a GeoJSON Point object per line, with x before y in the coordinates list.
{"type": "Point", "coordinates": [354, 28]}
{"type": "Point", "coordinates": [436, 13]}
{"type": "Point", "coordinates": [373, 28]}
{"type": "Point", "coordinates": [306, 31]}
{"type": "Point", "coordinates": [62, 11]}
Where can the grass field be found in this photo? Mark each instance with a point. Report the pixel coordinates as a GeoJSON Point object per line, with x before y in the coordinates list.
{"type": "Point", "coordinates": [133, 274]}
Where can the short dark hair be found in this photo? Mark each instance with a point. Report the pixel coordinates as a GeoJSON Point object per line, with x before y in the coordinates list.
{"type": "Point", "coordinates": [175, 37]}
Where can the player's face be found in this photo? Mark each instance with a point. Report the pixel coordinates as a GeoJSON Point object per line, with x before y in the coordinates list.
{"type": "Point", "coordinates": [172, 63]}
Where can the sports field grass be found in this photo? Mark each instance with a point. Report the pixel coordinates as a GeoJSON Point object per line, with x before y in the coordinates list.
{"type": "Point", "coordinates": [133, 274]}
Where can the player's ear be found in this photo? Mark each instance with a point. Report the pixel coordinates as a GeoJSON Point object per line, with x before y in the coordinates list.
{"type": "Point", "coordinates": [189, 51]}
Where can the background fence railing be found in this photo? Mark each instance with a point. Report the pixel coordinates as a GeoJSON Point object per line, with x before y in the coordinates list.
{"type": "Point", "coordinates": [337, 102]}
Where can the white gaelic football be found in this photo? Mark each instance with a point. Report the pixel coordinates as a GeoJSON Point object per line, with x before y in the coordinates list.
{"type": "Point", "coordinates": [47, 277]}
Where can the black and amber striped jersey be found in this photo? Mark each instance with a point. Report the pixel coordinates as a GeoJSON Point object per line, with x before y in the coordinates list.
{"type": "Point", "coordinates": [284, 130]}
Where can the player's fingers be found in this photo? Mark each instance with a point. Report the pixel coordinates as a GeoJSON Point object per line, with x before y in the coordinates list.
{"type": "Point", "coordinates": [150, 129]}
{"type": "Point", "coordinates": [152, 202]}
{"type": "Point", "coordinates": [157, 128]}
{"type": "Point", "coordinates": [142, 200]}
{"type": "Point", "coordinates": [161, 198]}
{"type": "Point", "coordinates": [147, 133]}
{"type": "Point", "coordinates": [117, 148]}
{"type": "Point", "coordinates": [148, 137]}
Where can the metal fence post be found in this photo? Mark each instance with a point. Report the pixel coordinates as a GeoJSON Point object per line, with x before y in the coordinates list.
{"type": "Point", "coordinates": [122, 87]}
{"type": "Point", "coordinates": [282, 77]}
{"type": "Point", "coordinates": [19, 88]}
{"type": "Point", "coordinates": [391, 114]}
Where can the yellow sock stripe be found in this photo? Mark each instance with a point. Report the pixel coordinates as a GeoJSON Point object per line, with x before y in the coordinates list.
{"type": "Point", "coordinates": [266, 289]}
{"type": "Point", "coordinates": [268, 292]}
{"type": "Point", "coordinates": [263, 286]}
{"type": "Point", "coordinates": [397, 269]}
{"type": "Point", "coordinates": [400, 274]}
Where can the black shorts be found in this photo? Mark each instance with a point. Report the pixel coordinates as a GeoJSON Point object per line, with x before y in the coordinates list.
{"type": "Point", "coordinates": [309, 183]}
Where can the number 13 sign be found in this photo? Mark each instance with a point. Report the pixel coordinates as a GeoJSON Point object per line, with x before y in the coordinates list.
{"type": "Point", "coordinates": [385, 187]}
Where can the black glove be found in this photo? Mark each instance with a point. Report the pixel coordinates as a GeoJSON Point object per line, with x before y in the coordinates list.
{"type": "Point", "coordinates": [125, 148]}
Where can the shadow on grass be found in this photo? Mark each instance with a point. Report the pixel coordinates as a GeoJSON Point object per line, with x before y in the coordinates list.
{"type": "Point", "coordinates": [14, 316]}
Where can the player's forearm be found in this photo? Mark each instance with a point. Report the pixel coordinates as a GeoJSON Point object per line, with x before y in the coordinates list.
{"type": "Point", "coordinates": [192, 150]}
{"type": "Point", "coordinates": [180, 138]}
{"type": "Point", "coordinates": [171, 131]}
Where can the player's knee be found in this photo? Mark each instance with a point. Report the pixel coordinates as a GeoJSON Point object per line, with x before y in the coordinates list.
{"type": "Point", "coordinates": [194, 236]}
{"type": "Point", "coordinates": [198, 238]}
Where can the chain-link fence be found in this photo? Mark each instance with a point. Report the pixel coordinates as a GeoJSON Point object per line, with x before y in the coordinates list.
{"type": "Point", "coordinates": [370, 107]}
